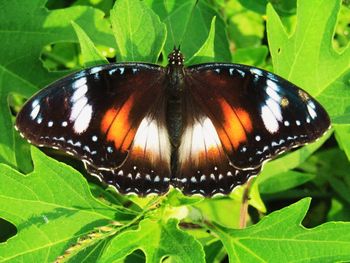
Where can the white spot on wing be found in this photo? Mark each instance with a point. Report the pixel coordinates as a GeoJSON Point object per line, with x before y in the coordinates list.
{"type": "Point", "coordinates": [272, 85]}
{"type": "Point", "coordinates": [109, 149]}
{"type": "Point", "coordinates": [197, 139]}
{"type": "Point", "coordinates": [77, 108]}
{"type": "Point", "coordinates": [82, 121]}
{"type": "Point", "coordinates": [79, 82]}
{"type": "Point", "coordinates": [311, 109]}
{"type": "Point", "coordinates": [311, 104]}
{"type": "Point", "coordinates": [34, 113]}
{"type": "Point", "coordinates": [275, 108]}
{"type": "Point", "coordinates": [112, 71]}
{"type": "Point", "coordinates": [35, 103]}
{"type": "Point", "coordinates": [153, 138]}
{"type": "Point", "coordinates": [269, 119]}
{"type": "Point", "coordinates": [95, 69]}
{"type": "Point", "coordinates": [256, 71]}
{"type": "Point", "coordinates": [79, 92]}
{"type": "Point", "coordinates": [273, 94]}
{"type": "Point", "coordinates": [241, 72]}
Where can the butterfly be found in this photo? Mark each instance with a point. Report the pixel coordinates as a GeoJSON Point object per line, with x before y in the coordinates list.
{"type": "Point", "coordinates": [142, 128]}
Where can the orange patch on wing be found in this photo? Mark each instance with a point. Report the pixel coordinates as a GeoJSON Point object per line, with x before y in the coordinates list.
{"type": "Point", "coordinates": [213, 153]}
{"type": "Point", "coordinates": [235, 123]}
{"type": "Point", "coordinates": [128, 139]}
{"type": "Point", "coordinates": [244, 118]}
{"type": "Point", "coordinates": [108, 119]}
{"type": "Point", "coordinates": [117, 126]}
{"type": "Point", "coordinates": [137, 151]}
{"type": "Point", "coordinates": [225, 140]}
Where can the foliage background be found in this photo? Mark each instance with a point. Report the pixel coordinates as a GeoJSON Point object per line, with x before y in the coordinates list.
{"type": "Point", "coordinates": [50, 210]}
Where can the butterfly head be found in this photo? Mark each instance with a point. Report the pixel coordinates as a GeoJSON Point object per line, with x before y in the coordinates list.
{"type": "Point", "coordinates": [176, 57]}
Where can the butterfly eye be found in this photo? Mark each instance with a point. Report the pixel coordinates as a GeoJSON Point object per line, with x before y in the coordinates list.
{"type": "Point", "coordinates": [213, 133]}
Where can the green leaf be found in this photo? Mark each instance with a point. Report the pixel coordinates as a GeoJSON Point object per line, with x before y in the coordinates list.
{"type": "Point", "coordinates": [284, 181]}
{"type": "Point", "coordinates": [342, 136]}
{"type": "Point", "coordinates": [307, 57]}
{"type": "Point", "coordinates": [336, 175]}
{"type": "Point", "coordinates": [176, 15]}
{"type": "Point", "coordinates": [215, 210]}
{"type": "Point", "coordinates": [246, 28]}
{"type": "Point", "coordinates": [51, 207]}
{"type": "Point", "coordinates": [206, 52]}
{"type": "Point", "coordinates": [139, 34]}
{"type": "Point", "coordinates": [258, 6]}
{"type": "Point", "coordinates": [90, 55]}
{"type": "Point", "coordinates": [188, 23]}
{"type": "Point", "coordinates": [280, 237]}
{"type": "Point", "coordinates": [339, 211]}
{"type": "Point", "coordinates": [214, 252]}
{"type": "Point", "coordinates": [157, 240]}
{"type": "Point", "coordinates": [198, 30]}
{"type": "Point", "coordinates": [25, 28]}
{"type": "Point", "coordinates": [255, 56]}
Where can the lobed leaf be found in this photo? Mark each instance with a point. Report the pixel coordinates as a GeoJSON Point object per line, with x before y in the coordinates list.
{"type": "Point", "coordinates": [280, 237]}
{"type": "Point", "coordinates": [51, 207]}
{"type": "Point", "coordinates": [157, 240]}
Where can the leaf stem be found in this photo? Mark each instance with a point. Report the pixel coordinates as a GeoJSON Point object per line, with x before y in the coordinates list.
{"type": "Point", "coordinates": [244, 206]}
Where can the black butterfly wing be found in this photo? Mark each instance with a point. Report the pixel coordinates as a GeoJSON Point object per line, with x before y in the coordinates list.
{"type": "Point", "coordinates": [256, 114]}
{"type": "Point", "coordinates": [95, 115]}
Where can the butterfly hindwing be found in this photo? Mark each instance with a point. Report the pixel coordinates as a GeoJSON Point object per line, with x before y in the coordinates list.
{"type": "Point", "coordinates": [204, 167]}
{"type": "Point", "coordinates": [257, 114]}
{"type": "Point", "coordinates": [146, 169]}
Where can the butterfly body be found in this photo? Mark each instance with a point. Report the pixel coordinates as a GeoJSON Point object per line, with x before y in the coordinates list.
{"type": "Point", "coordinates": [204, 129]}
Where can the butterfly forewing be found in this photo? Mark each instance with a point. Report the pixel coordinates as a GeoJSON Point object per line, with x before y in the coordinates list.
{"type": "Point", "coordinates": [93, 114]}
{"type": "Point", "coordinates": [256, 114]}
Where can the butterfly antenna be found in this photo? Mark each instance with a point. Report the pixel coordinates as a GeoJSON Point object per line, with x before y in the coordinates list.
{"type": "Point", "coordinates": [176, 48]}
